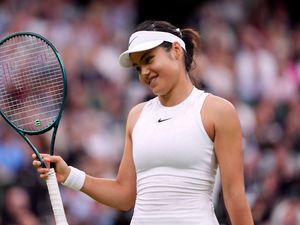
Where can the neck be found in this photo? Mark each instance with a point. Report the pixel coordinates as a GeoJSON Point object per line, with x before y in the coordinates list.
{"type": "Point", "coordinates": [177, 94]}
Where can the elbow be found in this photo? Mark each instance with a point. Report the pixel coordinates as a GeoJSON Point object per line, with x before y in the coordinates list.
{"type": "Point", "coordinates": [126, 208]}
{"type": "Point", "coordinates": [126, 197]}
{"type": "Point", "coordinates": [127, 205]}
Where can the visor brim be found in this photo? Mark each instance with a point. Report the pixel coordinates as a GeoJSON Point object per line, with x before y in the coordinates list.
{"type": "Point", "coordinates": [124, 58]}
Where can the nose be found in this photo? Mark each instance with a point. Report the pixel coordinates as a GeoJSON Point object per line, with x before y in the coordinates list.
{"type": "Point", "coordinates": [144, 73]}
{"type": "Point", "coordinates": [144, 70]}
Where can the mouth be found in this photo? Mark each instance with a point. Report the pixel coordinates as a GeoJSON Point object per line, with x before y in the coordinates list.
{"type": "Point", "coordinates": [151, 80]}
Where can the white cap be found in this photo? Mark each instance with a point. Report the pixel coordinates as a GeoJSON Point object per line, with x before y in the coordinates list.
{"type": "Point", "coordinates": [145, 40]}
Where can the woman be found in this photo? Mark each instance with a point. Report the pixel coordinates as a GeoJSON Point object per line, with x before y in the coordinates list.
{"type": "Point", "coordinates": [174, 142]}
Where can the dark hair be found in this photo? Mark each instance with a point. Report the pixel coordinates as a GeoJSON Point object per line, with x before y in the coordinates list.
{"type": "Point", "coordinates": [190, 37]}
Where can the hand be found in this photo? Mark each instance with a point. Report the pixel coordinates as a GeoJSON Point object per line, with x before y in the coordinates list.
{"type": "Point", "coordinates": [61, 168]}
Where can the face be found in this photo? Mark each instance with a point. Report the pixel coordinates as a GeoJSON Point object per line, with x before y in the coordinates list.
{"type": "Point", "coordinates": [158, 68]}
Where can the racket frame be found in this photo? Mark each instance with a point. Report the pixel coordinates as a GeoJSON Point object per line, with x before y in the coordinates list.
{"type": "Point", "coordinates": [55, 124]}
{"type": "Point", "coordinates": [52, 185]}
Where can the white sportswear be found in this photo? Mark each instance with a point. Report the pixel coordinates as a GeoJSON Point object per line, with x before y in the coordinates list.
{"type": "Point", "coordinates": [175, 164]}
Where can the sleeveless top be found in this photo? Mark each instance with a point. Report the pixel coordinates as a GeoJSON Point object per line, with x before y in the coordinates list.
{"type": "Point", "coordinates": [175, 164]}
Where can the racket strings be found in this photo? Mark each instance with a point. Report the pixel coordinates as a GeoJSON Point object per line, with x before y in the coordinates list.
{"type": "Point", "coordinates": [8, 97]}
{"type": "Point", "coordinates": [33, 88]}
{"type": "Point", "coordinates": [27, 108]}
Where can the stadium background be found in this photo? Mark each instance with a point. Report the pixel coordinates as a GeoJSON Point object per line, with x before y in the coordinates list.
{"type": "Point", "coordinates": [251, 56]}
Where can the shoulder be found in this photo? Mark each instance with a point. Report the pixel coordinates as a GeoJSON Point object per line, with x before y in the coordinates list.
{"type": "Point", "coordinates": [219, 106]}
{"type": "Point", "coordinates": [134, 114]}
{"type": "Point", "coordinates": [136, 110]}
{"type": "Point", "coordinates": [219, 113]}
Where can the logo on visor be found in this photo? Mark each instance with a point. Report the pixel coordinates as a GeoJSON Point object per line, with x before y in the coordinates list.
{"type": "Point", "coordinates": [132, 40]}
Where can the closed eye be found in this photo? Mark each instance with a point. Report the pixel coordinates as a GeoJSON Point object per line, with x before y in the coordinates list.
{"type": "Point", "coordinates": [146, 60]}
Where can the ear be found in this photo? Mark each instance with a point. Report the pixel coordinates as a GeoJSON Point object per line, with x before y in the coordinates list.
{"type": "Point", "coordinates": [177, 50]}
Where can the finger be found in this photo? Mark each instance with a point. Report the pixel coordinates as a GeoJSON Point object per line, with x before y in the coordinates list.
{"type": "Point", "coordinates": [41, 154]}
{"type": "Point", "coordinates": [51, 158]}
{"type": "Point", "coordinates": [43, 171]}
{"type": "Point", "coordinates": [36, 163]}
{"type": "Point", "coordinates": [44, 176]}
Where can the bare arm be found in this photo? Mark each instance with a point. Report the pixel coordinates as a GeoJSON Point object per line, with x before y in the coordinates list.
{"type": "Point", "coordinates": [227, 138]}
{"type": "Point", "coordinates": [119, 193]}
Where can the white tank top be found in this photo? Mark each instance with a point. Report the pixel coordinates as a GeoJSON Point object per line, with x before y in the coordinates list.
{"type": "Point", "coordinates": [175, 164]}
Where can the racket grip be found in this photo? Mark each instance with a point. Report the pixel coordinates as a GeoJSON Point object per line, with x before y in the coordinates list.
{"type": "Point", "coordinates": [55, 198]}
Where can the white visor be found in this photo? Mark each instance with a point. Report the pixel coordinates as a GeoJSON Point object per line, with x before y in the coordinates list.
{"type": "Point", "coordinates": [145, 40]}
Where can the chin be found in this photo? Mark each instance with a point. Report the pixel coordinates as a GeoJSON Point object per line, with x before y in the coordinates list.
{"type": "Point", "coordinates": [156, 91]}
{"type": "Point", "coordinates": [159, 90]}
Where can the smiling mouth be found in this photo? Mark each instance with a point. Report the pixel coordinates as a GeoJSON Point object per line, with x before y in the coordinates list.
{"type": "Point", "coordinates": [152, 79]}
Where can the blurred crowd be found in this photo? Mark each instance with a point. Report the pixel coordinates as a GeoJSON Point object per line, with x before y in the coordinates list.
{"type": "Point", "coordinates": [250, 56]}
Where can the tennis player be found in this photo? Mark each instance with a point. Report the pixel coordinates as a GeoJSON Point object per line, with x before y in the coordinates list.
{"type": "Point", "coordinates": [174, 142]}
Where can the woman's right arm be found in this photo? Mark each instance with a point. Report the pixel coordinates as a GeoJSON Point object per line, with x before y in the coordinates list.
{"type": "Point", "coordinates": [119, 193]}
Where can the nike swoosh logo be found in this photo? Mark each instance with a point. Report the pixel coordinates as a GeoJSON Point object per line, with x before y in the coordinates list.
{"type": "Point", "coordinates": [162, 120]}
{"type": "Point", "coordinates": [132, 41]}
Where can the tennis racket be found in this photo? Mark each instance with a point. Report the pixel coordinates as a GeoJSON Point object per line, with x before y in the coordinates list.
{"type": "Point", "coordinates": [32, 95]}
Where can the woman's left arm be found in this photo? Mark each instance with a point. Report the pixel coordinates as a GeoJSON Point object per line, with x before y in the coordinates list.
{"type": "Point", "coordinates": [229, 153]}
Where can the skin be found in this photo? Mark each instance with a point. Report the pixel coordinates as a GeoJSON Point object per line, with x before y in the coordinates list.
{"type": "Point", "coordinates": [172, 85]}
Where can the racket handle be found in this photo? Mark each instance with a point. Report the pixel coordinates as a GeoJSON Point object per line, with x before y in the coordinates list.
{"type": "Point", "coordinates": [55, 198]}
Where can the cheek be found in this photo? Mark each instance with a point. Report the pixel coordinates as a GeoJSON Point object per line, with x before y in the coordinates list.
{"type": "Point", "coordinates": [168, 72]}
{"type": "Point", "coordinates": [141, 79]}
